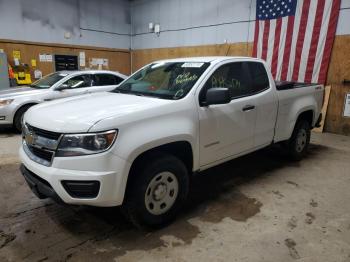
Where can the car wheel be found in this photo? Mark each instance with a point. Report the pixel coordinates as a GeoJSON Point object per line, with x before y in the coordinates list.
{"type": "Point", "coordinates": [156, 191]}
{"type": "Point", "coordinates": [18, 119]}
{"type": "Point", "coordinates": [298, 144]}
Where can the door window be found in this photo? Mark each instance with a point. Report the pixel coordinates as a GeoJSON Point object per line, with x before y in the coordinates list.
{"type": "Point", "coordinates": [106, 80]}
{"type": "Point", "coordinates": [80, 81]}
{"type": "Point", "coordinates": [234, 76]}
{"type": "Point", "coordinates": [260, 80]}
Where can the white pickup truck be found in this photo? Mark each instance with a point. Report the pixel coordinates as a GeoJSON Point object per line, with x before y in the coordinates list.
{"type": "Point", "coordinates": [138, 145]}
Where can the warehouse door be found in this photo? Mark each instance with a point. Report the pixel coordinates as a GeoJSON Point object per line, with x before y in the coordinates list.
{"type": "Point", "coordinates": [66, 62]}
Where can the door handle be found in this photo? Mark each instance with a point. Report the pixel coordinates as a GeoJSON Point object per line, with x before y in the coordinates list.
{"type": "Point", "coordinates": [248, 108]}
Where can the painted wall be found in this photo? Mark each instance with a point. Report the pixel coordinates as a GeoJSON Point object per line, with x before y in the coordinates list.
{"type": "Point", "coordinates": [344, 18]}
{"type": "Point", "coordinates": [103, 23]}
{"type": "Point", "coordinates": [110, 23]}
{"type": "Point", "coordinates": [201, 22]}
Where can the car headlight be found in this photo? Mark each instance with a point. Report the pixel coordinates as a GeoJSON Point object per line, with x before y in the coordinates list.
{"type": "Point", "coordinates": [86, 144]}
{"type": "Point", "coordinates": [5, 102]}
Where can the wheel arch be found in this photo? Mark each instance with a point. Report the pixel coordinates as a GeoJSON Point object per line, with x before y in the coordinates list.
{"type": "Point", "coordinates": [180, 149]}
{"type": "Point", "coordinates": [307, 115]}
{"type": "Point", "coordinates": [26, 105]}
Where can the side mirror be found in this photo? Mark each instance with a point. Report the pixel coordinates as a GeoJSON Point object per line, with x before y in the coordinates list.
{"type": "Point", "coordinates": [217, 96]}
{"type": "Point", "coordinates": [62, 87]}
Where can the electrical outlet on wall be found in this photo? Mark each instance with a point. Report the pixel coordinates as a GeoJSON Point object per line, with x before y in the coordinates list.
{"type": "Point", "coordinates": [157, 29]}
{"type": "Point", "coordinates": [151, 27]}
{"type": "Point", "coordinates": [67, 35]}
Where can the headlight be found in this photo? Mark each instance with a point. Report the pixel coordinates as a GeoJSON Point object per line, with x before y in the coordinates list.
{"type": "Point", "coordinates": [6, 102]}
{"type": "Point", "coordinates": [86, 144]}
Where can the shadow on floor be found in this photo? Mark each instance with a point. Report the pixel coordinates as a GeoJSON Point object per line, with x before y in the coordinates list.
{"type": "Point", "coordinates": [213, 196]}
{"type": "Point", "coordinates": [7, 131]}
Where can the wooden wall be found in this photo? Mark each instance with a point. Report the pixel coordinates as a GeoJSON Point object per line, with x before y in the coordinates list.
{"type": "Point", "coordinates": [339, 70]}
{"type": "Point", "coordinates": [145, 56]}
{"type": "Point", "coordinates": [119, 60]}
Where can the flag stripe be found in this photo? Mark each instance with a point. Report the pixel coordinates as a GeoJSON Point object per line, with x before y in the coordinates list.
{"type": "Point", "coordinates": [265, 39]}
{"type": "Point", "coordinates": [276, 46]}
{"type": "Point", "coordinates": [300, 41]}
{"type": "Point", "coordinates": [307, 40]}
{"type": "Point", "coordinates": [270, 42]}
{"type": "Point", "coordinates": [321, 44]}
{"type": "Point", "coordinates": [314, 41]}
{"type": "Point", "coordinates": [261, 32]}
{"type": "Point", "coordinates": [256, 35]}
{"type": "Point", "coordinates": [286, 55]}
{"type": "Point", "coordinates": [281, 46]}
{"type": "Point", "coordinates": [330, 39]}
{"type": "Point", "coordinates": [298, 13]}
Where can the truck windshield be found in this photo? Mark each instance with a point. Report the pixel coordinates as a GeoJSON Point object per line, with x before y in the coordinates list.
{"type": "Point", "coordinates": [172, 80]}
{"type": "Point", "coordinates": [48, 81]}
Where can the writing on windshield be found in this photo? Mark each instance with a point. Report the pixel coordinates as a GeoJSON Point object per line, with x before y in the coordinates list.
{"type": "Point", "coordinates": [171, 80]}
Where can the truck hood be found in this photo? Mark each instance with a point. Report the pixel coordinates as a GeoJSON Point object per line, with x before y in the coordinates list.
{"type": "Point", "coordinates": [80, 113]}
{"type": "Point", "coordinates": [14, 92]}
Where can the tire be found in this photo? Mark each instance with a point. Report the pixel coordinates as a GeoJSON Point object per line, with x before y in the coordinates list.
{"type": "Point", "coordinates": [17, 121]}
{"type": "Point", "coordinates": [298, 144]}
{"type": "Point", "coordinates": [157, 190]}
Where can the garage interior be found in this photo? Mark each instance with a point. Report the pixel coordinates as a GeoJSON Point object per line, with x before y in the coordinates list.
{"type": "Point", "coordinates": [259, 207]}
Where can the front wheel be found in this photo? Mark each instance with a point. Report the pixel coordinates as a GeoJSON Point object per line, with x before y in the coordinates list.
{"type": "Point", "coordinates": [156, 192]}
{"type": "Point", "coordinates": [298, 144]}
{"type": "Point", "coordinates": [18, 119]}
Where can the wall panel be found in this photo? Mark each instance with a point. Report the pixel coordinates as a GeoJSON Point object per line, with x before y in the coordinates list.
{"type": "Point", "coordinates": [339, 69]}
{"type": "Point", "coordinates": [335, 122]}
{"type": "Point", "coordinates": [145, 56]}
{"type": "Point", "coordinates": [103, 23]}
{"type": "Point", "coordinates": [119, 60]}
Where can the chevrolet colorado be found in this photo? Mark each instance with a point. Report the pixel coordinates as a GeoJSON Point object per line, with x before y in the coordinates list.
{"type": "Point", "coordinates": [137, 145]}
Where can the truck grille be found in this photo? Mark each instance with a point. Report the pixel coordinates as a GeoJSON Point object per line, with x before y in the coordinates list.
{"type": "Point", "coordinates": [44, 133]}
{"type": "Point", "coordinates": [40, 145]}
{"type": "Point", "coordinates": [42, 153]}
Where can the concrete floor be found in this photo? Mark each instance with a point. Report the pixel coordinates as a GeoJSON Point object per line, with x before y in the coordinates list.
{"type": "Point", "coordinates": [261, 207]}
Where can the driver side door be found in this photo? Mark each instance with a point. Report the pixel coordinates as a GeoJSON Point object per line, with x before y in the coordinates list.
{"type": "Point", "coordinates": [227, 130]}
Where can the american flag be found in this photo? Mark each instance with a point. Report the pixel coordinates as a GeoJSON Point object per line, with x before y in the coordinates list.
{"type": "Point", "coordinates": [295, 37]}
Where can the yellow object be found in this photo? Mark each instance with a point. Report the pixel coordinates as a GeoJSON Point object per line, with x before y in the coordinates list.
{"type": "Point", "coordinates": [16, 54]}
{"type": "Point", "coordinates": [33, 61]}
{"type": "Point", "coordinates": [22, 74]}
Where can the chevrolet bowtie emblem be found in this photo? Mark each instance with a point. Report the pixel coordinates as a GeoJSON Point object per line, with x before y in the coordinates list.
{"type": "Point", "coordinates": [29, 138]}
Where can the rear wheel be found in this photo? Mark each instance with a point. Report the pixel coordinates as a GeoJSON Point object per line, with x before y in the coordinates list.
{"type": "Point", "coordinates": [156, 192]}
{"type": "Point", "coordinates": [298, 144]}
{"type": "Point", "coordinates": [18, 119]}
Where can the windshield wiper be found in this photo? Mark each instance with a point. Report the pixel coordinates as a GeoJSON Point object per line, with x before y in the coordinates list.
{"type": "Point", "coordinates": [127, 92]}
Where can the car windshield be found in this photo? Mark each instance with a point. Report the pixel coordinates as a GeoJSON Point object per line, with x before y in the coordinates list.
{"type": "Point", "coordinates": [172, 80]}
{"type": "Point", "coordinates": [48, 81]}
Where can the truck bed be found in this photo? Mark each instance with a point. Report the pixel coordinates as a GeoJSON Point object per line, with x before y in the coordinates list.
{"type": "Point", "coordinates": [285, 85]}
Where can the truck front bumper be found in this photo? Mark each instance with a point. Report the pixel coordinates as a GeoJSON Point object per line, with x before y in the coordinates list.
{"type": "Point", "coordinates": [95, 180]}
